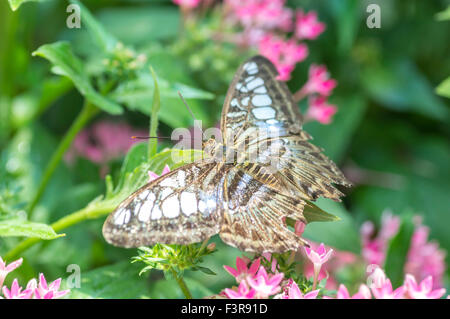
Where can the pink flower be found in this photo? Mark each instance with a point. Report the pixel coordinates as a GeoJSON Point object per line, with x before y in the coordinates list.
{"type": "Point", "coordinates": [6, 269]}
{"type": "Point", "coordinates": [103, 142]}
{"type": "Point", "coordinates": [318, 256]}
{"type": "Point", "coordinates": [425, 258]}
{"type": "Point", "coordinates": [363, 293]}
{"type": "Point", "coordinates": [299, 228]}
{"type": "Point", "coordinates": [374, 249]}
{"type": "Point", "coordinates": [424, 290]}
{"type": "Point", "coordinates": [242, 271]}
{"type": "Point", "coordinates": [44, 291]}
{"type": "Point", "coordinates": [261, 14]}
{"type": "Point", "coordinates": [265, 285]}
{"type": "Point", "coordinates": [187, 3]}
{"type": "Point", "coordinates": [320, 110]}
{"type": "Point", "coordinates": [152, 175]}
{"type": "Point", "coordinates": [294, 292]}
{"type": "Point", "coordinates": [16, 292]}
{"type": "Point", "coordinates": [307, 26]}
{"type": "Point", "coordinates": [382, 288]}
{"type": "Point", "coordinates": [319, 81]}
{"type": "Point", "coordinates": [283, 54]}
{"type": "Point", "coordinates": [243, 292]}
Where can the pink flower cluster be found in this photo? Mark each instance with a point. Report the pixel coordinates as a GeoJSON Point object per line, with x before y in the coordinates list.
{"type": "Point", "coordinates": [265, 25]}
{"type": "Point", "coordinates": [380, 287]}
{"type": "Point", "coordinates": [424, 258]}
{"type": "Point", "coordinates": [254, 282]}
{"type": "Point", "coordinates": [103, 142]}
{"type": "Point", "coordinates": [33, 290]}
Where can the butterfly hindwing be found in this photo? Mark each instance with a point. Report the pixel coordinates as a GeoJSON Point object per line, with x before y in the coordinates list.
{"type": "Point", "coordinates": [181, 207]}
{"type": "Point", "coordinates": [254, 218]}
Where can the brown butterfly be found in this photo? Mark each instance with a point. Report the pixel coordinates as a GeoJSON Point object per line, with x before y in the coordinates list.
{"type": "Point", "coordinates": [262, 171]}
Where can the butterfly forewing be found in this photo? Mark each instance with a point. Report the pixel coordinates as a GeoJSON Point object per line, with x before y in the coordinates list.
{"type": "Point", "coordinates": [257, 101]}
{"type": "Point", "coordinates": [181, 207]}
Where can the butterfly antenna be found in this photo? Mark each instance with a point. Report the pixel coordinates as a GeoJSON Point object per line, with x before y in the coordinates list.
{"type": "Point", "coordinates": [190, 111]}
{"type": "Point", "coordinates": [187, 106]}
{"type": "Point", "coordinates": [147, 137]}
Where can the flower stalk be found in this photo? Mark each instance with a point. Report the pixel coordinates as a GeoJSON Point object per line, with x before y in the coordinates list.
{"type": "Point", "coordinates": [87, 112]}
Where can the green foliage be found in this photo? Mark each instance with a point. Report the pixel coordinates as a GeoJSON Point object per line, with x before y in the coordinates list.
{"type": "Point", "coordinates": [118, 281]}
{"type": "Point", "coordinates": [20, 227]}
{"type": "Point", "coordinates": [65, 63]}
{"type": "Point", "coordinates": [444, 88]}
{"type": "Point", "coordinates": [398, 251]}
{"type": "Point", "coordinates": [15, 4]}
{"type": "Point", "coordinates": [177, 258]}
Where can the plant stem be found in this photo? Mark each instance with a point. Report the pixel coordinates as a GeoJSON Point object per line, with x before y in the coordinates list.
{"type": "Point", "coordinates": [63, 223]}
{"type": "Point", "coordinates": [182, 284]}
{"type": "Point", "coordinates": [88, 111]}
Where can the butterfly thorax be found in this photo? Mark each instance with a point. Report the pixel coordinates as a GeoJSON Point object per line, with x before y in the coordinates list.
{"type": "Point", "coordinates": [220, 153]}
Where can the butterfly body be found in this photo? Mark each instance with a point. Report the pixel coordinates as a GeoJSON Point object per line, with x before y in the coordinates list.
{"type": "Point", "coordinates": [263, 171]}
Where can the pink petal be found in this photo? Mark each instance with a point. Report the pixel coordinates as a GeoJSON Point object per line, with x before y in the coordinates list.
{"type": "Point", "coordinates": [233, 272]}
{"type": "Point", "coordinates": [42, 281]}
{"type": "Point", "coordinates": [312, 294]}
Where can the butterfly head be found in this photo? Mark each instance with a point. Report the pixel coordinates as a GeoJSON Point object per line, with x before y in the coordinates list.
{"type": "Point", "coordinates": [210, 147]}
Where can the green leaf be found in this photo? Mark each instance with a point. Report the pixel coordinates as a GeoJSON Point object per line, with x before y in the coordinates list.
{"type": "Point", "coordinates": [314, 213]}
{"type": "Point", "coordinates": [15, 4]}
{"type": "Point", "coordinates": [398, 250]}
{"type": "Point", "coordinates": [444, 88]}
{"type": "Point", "coordinates": [156, 103]}
{"type": "Point", "coordinates": [342, 234]}
{"type": "Point", "coordinates": [402, 87]}
{"type": "Point", "coordinates": [22, 228]}
{"type": "Point", "coordinates": [206, 270]}
{"type": "Point", "coordinates": [99, 34]}
{"type": "Point", "coordinates": [65, 63]}
{"type": "Point", "coordinates": [118, 281]}
{"type": "Point", "coordinates": [443, 15]}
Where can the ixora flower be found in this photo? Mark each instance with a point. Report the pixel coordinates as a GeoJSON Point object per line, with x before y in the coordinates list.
{"type": "Point", "coordinates": [320, 110]}
{"type": "Point", "coordinates": [242, 271]}
{"type": "Point", "coordinates": [284, 54]}
{"type": "Point", "coordinates": [382, 287]}
{"type": "Point", "coordinates": [294, 292]}
{"type": "Point", "coordinates": [16, 292]}
{"type": "Point", "coordinates": [363, 293]}
{"type": "Point", "coordinates": [318, 256]}
{"type": "Point", "coordinates": [103, 142]}
{"type": "Point", "coordinates": [424, 290]}
{"type": "Point", "coordinates": [49, 291]}
{"type": "Point", "coordinates": [6, 269]}
{"type": "Point", "coordinates": [152, 175]}
{"type": "Point", "coordinates": [261, 14]}
{"type": "Point", "coordinates": [307, 26]}
{"type": "Point", "coordinates": [319, 81]}
{"type": "Point", "coordinates": [242, 292]}
{"type": "Point", "coordinates": [265, 285]}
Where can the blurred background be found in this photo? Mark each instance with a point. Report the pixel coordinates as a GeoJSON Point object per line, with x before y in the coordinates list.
{"type": "Point", "coordinates": [390, 133]}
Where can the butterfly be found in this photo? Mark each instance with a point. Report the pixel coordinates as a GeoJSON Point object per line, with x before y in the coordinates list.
{"type": "Point", "coordinates": [263, 171]}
